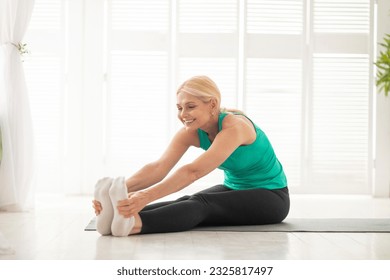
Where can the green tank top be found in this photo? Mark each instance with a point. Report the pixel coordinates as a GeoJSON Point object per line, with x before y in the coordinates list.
{"type": "Point", "coordinates": [250, 166]}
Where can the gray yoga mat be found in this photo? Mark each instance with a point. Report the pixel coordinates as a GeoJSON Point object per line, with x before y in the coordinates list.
{"type": "Point", "coordinates": [301, 225]}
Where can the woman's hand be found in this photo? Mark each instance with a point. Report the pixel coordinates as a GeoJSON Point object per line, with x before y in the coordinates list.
{"type": "Point", "coordinates": [135, 203]}
{"type": "Point", "coordinates": [97, 206]}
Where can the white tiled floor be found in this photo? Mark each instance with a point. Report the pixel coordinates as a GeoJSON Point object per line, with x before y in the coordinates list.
{"type": "Point", "coordinates": [55, 230]}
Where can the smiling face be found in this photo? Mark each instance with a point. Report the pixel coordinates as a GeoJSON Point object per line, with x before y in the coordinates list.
{"type": "Point", "coordinates": [195, 113]}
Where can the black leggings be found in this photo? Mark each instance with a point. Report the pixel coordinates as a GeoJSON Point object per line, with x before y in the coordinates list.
{"type": "Point", "coordinates": [217, 206]}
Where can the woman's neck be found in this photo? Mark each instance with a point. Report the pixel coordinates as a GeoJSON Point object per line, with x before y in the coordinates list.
{"type": "Point", "coordinates": [213, 128]}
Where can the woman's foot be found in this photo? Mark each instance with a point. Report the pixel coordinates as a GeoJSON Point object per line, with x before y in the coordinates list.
{"type": "Point", "coordinates": [120, 226]}
{"type": "Point", "coordinates": [104, 219]}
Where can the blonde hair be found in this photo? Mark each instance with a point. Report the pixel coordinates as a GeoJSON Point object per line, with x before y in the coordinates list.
{"type": "Point", "coordinates": [201, 87]}
{"type": "Point", "coordinates": [205, 89]}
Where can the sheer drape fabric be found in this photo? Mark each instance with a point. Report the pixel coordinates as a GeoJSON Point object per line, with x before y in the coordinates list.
{"type": "Point", "coordinates": [16, 169]}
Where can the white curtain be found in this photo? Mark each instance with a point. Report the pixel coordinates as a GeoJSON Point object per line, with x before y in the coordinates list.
{"type": "Point", "coordinates": [16, 169]}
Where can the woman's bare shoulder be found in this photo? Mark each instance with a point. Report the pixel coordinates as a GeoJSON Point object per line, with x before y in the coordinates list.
{"type": "Point", "coordinates": [235, 119]}
{"type": "Point", "coordinates": [240, 124]}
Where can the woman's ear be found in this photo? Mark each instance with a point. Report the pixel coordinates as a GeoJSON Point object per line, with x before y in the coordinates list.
{"type": "Point", "coordinates": [213, 103]}
{"type": "Point", "coordinates": [213, 106]}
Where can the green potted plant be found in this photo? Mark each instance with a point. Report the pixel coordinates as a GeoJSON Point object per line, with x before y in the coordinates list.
{"type": "Point", "coordinates": [383, 67]}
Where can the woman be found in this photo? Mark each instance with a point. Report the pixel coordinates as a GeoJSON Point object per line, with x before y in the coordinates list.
{"type": "Point", "coordinates": [254, 190]}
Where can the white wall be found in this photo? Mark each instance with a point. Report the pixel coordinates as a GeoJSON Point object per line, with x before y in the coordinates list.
{"type": "Point", "coordinates": [382, 116]}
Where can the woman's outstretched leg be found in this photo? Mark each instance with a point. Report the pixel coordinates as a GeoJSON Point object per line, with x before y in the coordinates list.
{"type": "Point", "coordinates": [182, 214]}
{"type": "Point", "coordinates": [232, 207]}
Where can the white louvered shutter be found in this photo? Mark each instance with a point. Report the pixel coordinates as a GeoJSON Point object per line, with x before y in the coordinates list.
{"type": "Point", "coordinates": [274, 17]}
{"type": "Point", "coordinates": [340, 124]}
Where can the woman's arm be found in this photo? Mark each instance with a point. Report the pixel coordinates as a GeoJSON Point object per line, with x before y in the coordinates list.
{"type": "Point", "coordinates": [154, 172]}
